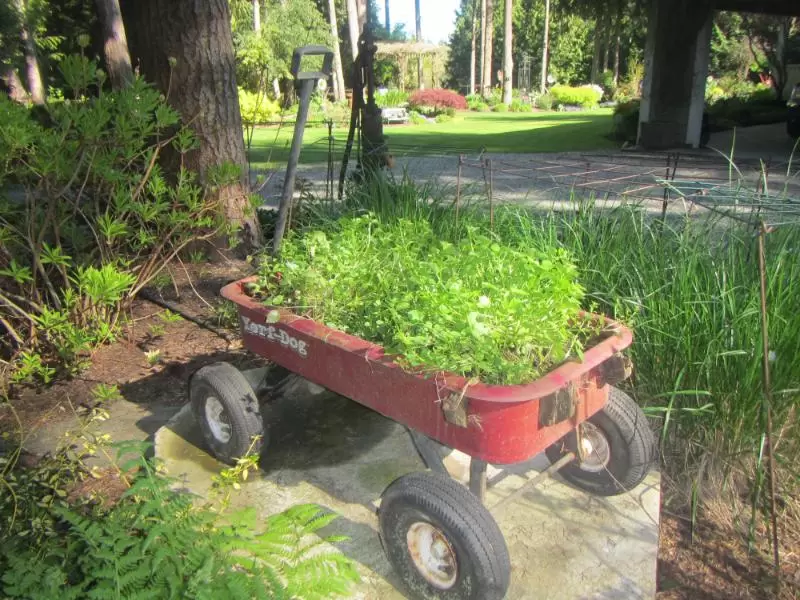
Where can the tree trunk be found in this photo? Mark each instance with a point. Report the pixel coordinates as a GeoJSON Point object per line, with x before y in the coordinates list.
{"type": "Point", "coordinates": [616, 61]}
{"type": "Point", "coordinates": [185, 47]}
{"type": "Point", "coordinates": [257, 16]}
{"type": "Point", "coordinates": [353, 27]}
{"type": "Point", "coordinates": [508, 61]}
{"type": "Point", "coordinates": [472, 50]}
{"type": "Point", "coordinates": [32, 72]}
{"type": "Point", "coordinates": [386, 18]}
{"type": "Point", "coordinates": [418, 14]}
{"type": "Point", "coordinates": [487, 58]}
{"type": "Point", "coordinates": [606, 45]}
{"type": "Point", "coordinates": [483, 47]}
{"type": "Point", "coordinates": [115, 44]}
{"type": "Point", "coordinates": [545, 46]}
{"type": "Point", "coordinates": [338, 75]}
{"type": "Point", "coordinates": [598, 46]}
{"type": "Point", "coordinates": [361, 7]}
{"type": "Point", "coordinates": [13, 85]}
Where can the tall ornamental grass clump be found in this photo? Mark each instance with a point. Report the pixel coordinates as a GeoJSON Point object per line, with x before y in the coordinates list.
{"type": "Point", "coordinates": [690, 290]}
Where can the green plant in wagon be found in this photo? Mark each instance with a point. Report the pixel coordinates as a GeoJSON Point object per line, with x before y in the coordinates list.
{"type": "Point", "coordinates": [476, 306]}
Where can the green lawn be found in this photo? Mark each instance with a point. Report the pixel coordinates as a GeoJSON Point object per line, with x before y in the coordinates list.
{"type": "Point", "coordinates": [470, 132]}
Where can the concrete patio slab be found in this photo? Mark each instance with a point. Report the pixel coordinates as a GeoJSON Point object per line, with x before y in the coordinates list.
{"type": "Point", "coordinates": [564, 543]}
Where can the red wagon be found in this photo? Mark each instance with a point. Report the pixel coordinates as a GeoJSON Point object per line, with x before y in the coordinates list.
{"type": "Point", "coordinates": [438, 535]}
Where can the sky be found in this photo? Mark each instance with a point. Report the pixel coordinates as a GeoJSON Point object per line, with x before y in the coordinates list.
{"type": "Point", "coordinates": [438, 17]}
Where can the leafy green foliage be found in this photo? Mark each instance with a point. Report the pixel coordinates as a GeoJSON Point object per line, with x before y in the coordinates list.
{"type": "Point", "coordinates": [473, 306]}
{"type": "Point", "coordinates": [544, 102]}
{"type": "Point", "coordinates": [518, 105]}
{"type": "Point", "coordinates": [88, 218]}
{"type": "Point", "coordinates": [391, 98]}
{"type": "Point", "coordinates": [156, 543]}
{"type": "Point", "coordinates": [257, 108]}
{"type": "Point", "coordinates": [626, 121]}
{"type": "Point", "coordinates": [265, 55]}
{"type": "Point", "coordinates": [585, 96]}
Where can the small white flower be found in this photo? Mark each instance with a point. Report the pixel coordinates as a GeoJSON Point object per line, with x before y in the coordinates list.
{"type": "Point", "coordinates": [484, 301]}
{"type": "Point", "coordinates": [772, 356]}
{"type": "Point", "coordinates": [291, 265]}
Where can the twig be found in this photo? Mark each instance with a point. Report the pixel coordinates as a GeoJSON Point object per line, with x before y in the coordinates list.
{"type": "Point", "coordinates": [191, 285]}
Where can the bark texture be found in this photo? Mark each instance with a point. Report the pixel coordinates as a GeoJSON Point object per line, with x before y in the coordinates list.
{"type": "Point", "coordinates": [195, 35]}
{"type": "Point", "coordinates": [387, 20]}
{"type": "Point", "coordinates": [545, 47]}
{"type": "Point", "coordinates": [418, 16]}
{"type": "Point", "coordinates": [13, 85]}
{"type": "Point", "coordinates": [32, 72]}
{"type": "Point", "coordinates": [473, 47]}
{"type": "Point", "coordinates": [483, 47]}
{"type": "Point", "coordinates": [115, 44]}
{"type": "Point", "coordinates": [256, 16]}
{"type": "Point", "coordinates": [338, 74]}
{"type": "Point", "coordinates": [353, 26]}
{"type": "Point", "coordinates": [508, 61]}
{"type": "Point", "coordinates": [488, 44]}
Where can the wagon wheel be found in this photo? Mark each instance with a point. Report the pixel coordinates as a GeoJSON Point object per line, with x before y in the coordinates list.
{"type": "Point", "coordinates": [441, 540]}
{"type": "Point", "coordinates": [227, 410]}
{"type": "Point", "coordinates": [617, 448]}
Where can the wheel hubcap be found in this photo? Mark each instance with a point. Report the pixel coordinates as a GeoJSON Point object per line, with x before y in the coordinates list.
{"type": "Point", "coordinates": [217, 420]}
{"type": "Point", "coordinates": [433, 555]}
{"type": "Point", "coordinates": [594, 448]}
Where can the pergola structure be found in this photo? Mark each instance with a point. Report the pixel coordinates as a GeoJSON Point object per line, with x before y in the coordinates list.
{"type": "Point", "coordinates": [402, 51]}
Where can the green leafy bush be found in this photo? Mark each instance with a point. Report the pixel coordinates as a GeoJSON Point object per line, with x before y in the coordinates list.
{"type": "Point", "coordinates": [473, 306]}
{"type": "Point", "coordinates": [416, 119]}
{"type": "Point", "coordinates": [625, 126]}
{"type": "Point", "coordinates": [87, 217]}
{"type": "Point", "coordinates": [517, 105]}
{"type": "Point", "coordinates": [444, 118]}
{"type": "Point", "coordinates": [155, 542]}
{"type": "Point", "coordinates": [391, 98]}
{"type": "Point", "coordinates": [585, 96]}
{"type": "Point", "coordinates": [257, 108]}
{"type": "Point", "coordinates": [500, 107]}
{"type": "Point", "coordinates": [544, 102]}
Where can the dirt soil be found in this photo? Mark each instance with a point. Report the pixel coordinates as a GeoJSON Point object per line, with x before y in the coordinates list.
{"type": "Point", "coordinates": [711, 564]}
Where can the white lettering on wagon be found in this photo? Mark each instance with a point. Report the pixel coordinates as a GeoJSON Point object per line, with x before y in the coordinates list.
{"type": "Point", "coordinates": [273, 334]}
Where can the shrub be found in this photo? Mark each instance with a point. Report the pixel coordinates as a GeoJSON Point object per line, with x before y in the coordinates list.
{"type": "Point", "coordinates": [444, 118]}
{"type": "Point", "coordinates": [500, 107]}
{"type": "Point", "coordinates": [416, 119]}
{"type": "Point", "coordinates": [585, 96]}
{"type": "Point", "coordinates": [391, 98]}
{"type": "Point", "coordinates": [257, 108]}
{"type": "Point", "coordinates": [517, 105]}
{"type": "Point", "coordinates": [474, 101]}
{"type": "Point", "coordinates": [626, 121]}
{"type": "Point", "coordinates": [88, 216]}
{"type": "Point", "coordinates": [435, 101]}
{"type": "Point", "coordinates": [544, 102]}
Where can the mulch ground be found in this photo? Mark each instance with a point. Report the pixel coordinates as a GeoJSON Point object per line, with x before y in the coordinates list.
{"type": "Point", "coordinates": [709, 563]}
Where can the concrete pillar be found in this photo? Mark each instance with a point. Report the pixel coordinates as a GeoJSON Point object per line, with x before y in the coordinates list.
{"type": "Point", "coordinates": [697, 104]}
{"type": "Point", "coordinates": [676, 64]}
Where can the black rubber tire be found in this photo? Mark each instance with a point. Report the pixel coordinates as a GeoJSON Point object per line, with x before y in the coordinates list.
{"type": "Point", "coordinates": [631, 443]}
{"type": "Point", "coordinates": [226, 383]}
{"type": "Point", "coordinates": [483, 564]}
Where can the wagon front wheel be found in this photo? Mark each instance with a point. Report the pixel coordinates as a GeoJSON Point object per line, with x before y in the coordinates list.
{"type": "Point", "coordinates": [442, 541]}
{"type": "Point", "coordinates": [616, 448]}
{"type": "Point", "coordinates": [227, 410]}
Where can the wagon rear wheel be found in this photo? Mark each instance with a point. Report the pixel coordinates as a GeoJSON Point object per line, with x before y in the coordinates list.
{"type": "Point", "coordinates": [442, 541]}
{"type": "Point", "coordinates": [227, 410]}
{"type": "Point", "coordinates": [616, 448]}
